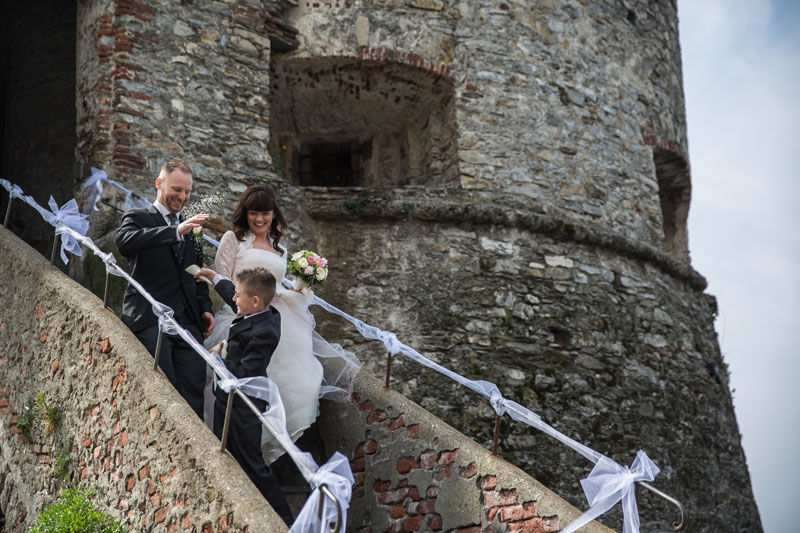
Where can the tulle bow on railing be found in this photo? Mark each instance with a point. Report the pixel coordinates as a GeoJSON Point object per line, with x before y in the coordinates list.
{"type": "Point", "coordinates": [68, 215]}
{"type": "Point", "coordinates": [337, 478]}
{"type": "Point", "coordinates": [609, 483]}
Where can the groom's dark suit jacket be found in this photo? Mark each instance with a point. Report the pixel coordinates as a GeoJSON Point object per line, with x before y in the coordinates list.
{"type": "Point", "coordinates": [251, 342]}
{"type": "Point", "coordinates": [158, 260]}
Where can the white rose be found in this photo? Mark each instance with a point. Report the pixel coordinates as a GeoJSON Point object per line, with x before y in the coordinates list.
{"type": "Point", "coordinates": [302, 262]}
{"type": "Point", "coordinates": [297, 255]}
{"type": "Point", "coordinates": [321, 274]}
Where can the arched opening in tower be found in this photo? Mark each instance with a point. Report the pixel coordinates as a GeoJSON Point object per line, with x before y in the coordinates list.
{"type": "Point", "coordinates": [37, 108]}
{"type": "Point", "coordinates": [675, 192]}
{"type": "Point", "coordinates": [344, 122]}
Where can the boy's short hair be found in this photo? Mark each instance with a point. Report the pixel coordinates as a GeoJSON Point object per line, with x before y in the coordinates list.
{"type": "Point", "coordinates": [258, 282]}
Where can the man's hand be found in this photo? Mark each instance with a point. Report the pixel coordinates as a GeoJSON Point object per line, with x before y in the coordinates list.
{"type": "Point", "coordinates": [188, 225]}
{"type": "Point", "coordinates": [206, 273]}
{"type": "Point", "coordinates": [208, 319]}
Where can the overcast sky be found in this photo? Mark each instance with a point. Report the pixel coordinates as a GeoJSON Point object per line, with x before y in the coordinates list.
{"type": "Point", "coordinates": [741, 67]}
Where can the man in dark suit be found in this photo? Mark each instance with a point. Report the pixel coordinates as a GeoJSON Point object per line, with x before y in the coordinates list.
{"type": "Point", "coordinates": [159, 246]}
{"type": "Point", "coordinates": [252, 339]}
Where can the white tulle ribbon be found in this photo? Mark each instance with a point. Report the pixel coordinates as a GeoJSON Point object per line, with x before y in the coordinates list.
{"type": "Point", "coordinates": [94, 189]}
{"type": "Point", "coordinates": [14, 190]}
{"type": "Point", "coordinates": [338, 479]}
{"type": "Point", "coordinates": [69, 215]}
{"type": "Point", "coordinates": [609, 483]}
{"type": "Point", "coordinates": [390, 341]}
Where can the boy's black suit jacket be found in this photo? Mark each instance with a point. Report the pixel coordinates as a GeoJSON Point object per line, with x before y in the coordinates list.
{"type": "Point", "coordinates": [158, 260]}
{"type": "Point", "coordinates": [251, 342]}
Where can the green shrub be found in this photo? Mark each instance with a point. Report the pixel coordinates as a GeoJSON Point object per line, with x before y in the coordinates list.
{"type": "Point", "coordinates": [74, 512]}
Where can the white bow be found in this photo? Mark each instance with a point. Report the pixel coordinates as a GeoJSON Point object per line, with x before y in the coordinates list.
{"type": "Point", "coordinates": [68, 215]}
{"type": "Point", "coordinates": [14, 190]}
{"type": "Point", "coordinates": [338, 478]}
{"type": "Point", "coordinates": [609, 483]}
{"type": "Point", "coordinates": [95, 185]}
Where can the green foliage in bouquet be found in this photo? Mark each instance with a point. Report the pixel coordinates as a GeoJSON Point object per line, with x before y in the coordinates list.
{"type": "Point", "coordinates": [74, 512]}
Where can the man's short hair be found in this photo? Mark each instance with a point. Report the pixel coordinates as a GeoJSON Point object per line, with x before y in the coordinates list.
{"type": "Point", "coordinates": [258, 282]}
{"type": "Point", "coordinates": [170, 166]}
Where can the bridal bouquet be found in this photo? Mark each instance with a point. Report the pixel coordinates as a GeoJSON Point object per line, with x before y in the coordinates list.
{"type": "Point", "coordinates": [309, 268]}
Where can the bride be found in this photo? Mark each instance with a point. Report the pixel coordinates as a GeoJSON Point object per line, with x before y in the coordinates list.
{"type": "Point", "coordinates": [295, 366]}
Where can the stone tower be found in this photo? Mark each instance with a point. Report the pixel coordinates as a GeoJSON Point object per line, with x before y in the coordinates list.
{"type": "Point", "coordinates": [503, 183]}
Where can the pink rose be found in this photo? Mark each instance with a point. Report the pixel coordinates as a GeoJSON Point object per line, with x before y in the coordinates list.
{"type": "Point", "coordinates": [322, 262]}
{"type": "Point", "coordinates": [311, 259]}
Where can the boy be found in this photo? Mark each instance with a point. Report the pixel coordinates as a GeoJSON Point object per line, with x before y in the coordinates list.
{"type": "Point", "coordinates": [252, 339]}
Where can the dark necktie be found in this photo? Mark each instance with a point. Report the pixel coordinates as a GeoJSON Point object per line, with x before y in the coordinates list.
{"type": "Point", "coordinates": [172, 218]}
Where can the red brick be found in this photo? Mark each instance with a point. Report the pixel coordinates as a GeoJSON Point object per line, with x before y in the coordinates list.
{"type": "Point", "coordinates": [413, 431]}
{"type": "Point", "coordinates": [360, 477]}
{"type": "Point", "coordinates": [448, 457]}
{"type": "Point", "coordinates": [54, 367]}
{"type": "Point", "coordinates": [427, 460]}
{"type": "Point", "coordinates": [357, 465]}
{"type": "Point", "coordinates": [123, 438]}
{"type": "Point", "coordinates": [366, 405]}
{"type": "Point", "coordinates": [550, 524]}
{"type": "Point", "coordinates": [222, 525]}
{"type": "Point", "coordinates": [359, 451]}
{"type": "Point", "coordinates": [432, 492]}
{"type": "Point", "coordinates": [398, 422]}
{"type": "Point", "coordinates": [427, 507]}
{"type": "Point", "coordinates": [151, 486]}
{"type": "Point", "coordinates": [406, 464]}
{"type": "Point", "coordinates": [381, 486]}
{"type": "Point", "coordinates": [534, 525]}
{"type": "Point", "coordinates": [501, 498]}
{"type": "Point", "coordinates": [370, 447]}
{"type": "Point", "coordinates": [488, 482]}
{"type": "Point", "coordinates": [144, 472]}
{"type": "Point", "coordinates": [186, 521]}
{"type": "Point", "coordinates": [393, 496]}
{"type": "Point", "coordinates": [413, 523]}
{"type": "Point", "coordinates": [161, 515]}
{"type": "Point", "coordinates": [469, 471]}
{"type": "Point", "coordinates": [43, 337]}
{"type": "Point", "coordinates": [414, 494]}
{"type": "Point", "coordinates": [376, 416]}
{"type": "Point", "coordinates": [396, 511]}
{"type": "Point", "coordinates": [436, 523]}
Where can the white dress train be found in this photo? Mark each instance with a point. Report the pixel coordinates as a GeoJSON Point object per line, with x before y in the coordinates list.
{"type": "Point", "coordinates": [294, 368]}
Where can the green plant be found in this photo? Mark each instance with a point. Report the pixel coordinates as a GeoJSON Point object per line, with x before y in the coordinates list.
{"type": "Point", "coordinates": [26, 418]}
{"type": "Point", "coordinates": [405, 208]}
{"type": "Point", "coordinates": [49, 414]}
{"type": "Point", "coordinates": [356, 205]}
{"type": "Point", "coordinates": [74, 512]}
{"type": "Point", "coordinates": [62, 460]}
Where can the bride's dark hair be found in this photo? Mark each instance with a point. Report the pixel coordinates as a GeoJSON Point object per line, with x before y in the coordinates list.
{"type": "Point", "coordinates": [259, 198]}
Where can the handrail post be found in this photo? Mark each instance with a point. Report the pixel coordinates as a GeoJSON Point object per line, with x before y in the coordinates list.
{"type": "Point", "coordinates": [226, 425]}
{"type": "Point", "coordinates": [496, 434]}
{"type": "Point", "coordinates": [158, 348]}
{"type": "Point", "coordinates": [677, 526]}
{"type": "Point", "coordinates": [339, 525]}
{"type": "Point", "coordinates": [105, 291]}
{"type": "Point", "coordinates": [55, 247]}
{"type": "Point", "coordinates": [8, 210]}
{"type": "Point", "coordinates": [388, 369]}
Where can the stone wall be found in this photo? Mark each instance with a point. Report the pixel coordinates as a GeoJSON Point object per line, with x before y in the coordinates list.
{"type": "Point", "coordinates": [128, 433]}
{"type": "Point", "coordinates": [413, 472]}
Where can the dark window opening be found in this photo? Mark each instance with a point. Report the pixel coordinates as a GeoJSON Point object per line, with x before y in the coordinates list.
{"type": "Point", "coordinates": [674, 192]}
{"type": "Point", "coordinates": [329, 164]}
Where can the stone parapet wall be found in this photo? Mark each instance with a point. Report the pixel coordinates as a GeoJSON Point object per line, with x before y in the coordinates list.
{"type": "Point", "coordinates": [128, 433]}
{"type": "Point", "coordinates": [413, 472]}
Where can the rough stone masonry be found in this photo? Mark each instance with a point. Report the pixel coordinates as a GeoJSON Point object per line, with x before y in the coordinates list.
{"type": "Point", "coordinates": [503, 183]}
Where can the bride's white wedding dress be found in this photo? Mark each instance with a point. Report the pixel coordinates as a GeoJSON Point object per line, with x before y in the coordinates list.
{"type": "Point", "coordinates": [294, 368]}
